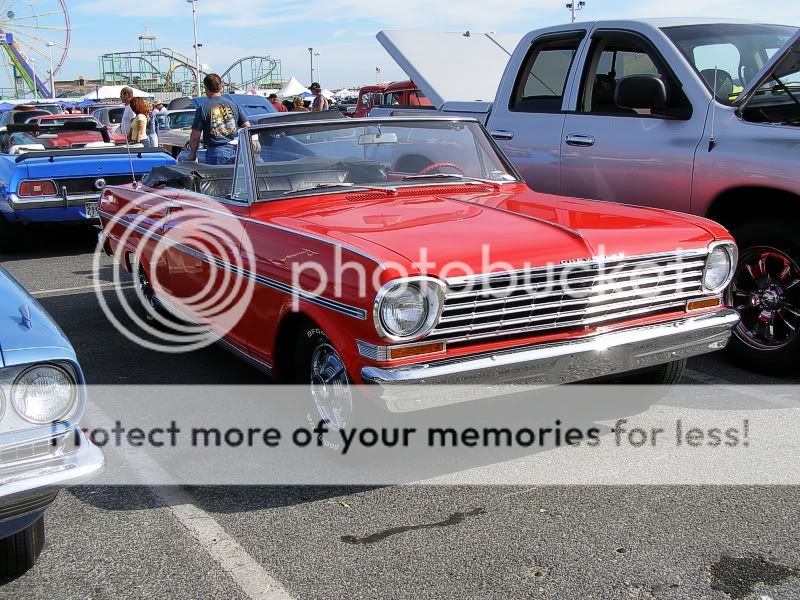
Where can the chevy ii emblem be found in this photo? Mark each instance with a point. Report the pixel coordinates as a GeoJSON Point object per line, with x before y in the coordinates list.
{"type": "Point", "coordinates": [100, 183]}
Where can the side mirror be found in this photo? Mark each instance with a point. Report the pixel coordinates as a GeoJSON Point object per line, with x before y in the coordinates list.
{"type": "Point", "coordinates": [642, 92]}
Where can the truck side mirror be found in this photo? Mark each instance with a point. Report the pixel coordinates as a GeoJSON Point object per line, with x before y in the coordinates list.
{"type": "Point", "coordinates": [642, 92]}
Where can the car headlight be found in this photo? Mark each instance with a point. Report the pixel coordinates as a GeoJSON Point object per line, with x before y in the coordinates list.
{"type": "Point", "coordinates": [44, 393]}
{"type": "Point", "coordinates": [409, 308]}
{"type": "Point", "coordinates": [720, 266]}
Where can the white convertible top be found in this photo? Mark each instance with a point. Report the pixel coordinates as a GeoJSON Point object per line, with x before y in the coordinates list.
{"type": "Point", "coordinates": [452, 67]}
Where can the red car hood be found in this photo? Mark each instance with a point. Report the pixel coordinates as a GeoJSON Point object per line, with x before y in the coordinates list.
{"type": "Point", "coordinates": [519, 228]}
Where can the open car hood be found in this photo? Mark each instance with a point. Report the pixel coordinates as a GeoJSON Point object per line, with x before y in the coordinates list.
{"type": "Point", "coordinates": [784, 61]}
{"type": "Point", "coordinates": [452, 67]}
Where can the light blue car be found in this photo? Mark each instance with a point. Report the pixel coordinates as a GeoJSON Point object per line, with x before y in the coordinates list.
{"type": "Point", "coordinates": [42, 399]}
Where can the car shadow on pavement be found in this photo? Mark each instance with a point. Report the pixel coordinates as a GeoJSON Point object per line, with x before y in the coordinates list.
{"type": "Point", "coordinates": [41, 241]}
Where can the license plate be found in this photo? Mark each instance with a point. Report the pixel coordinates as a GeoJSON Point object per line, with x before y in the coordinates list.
{"type": "Point", "coordinates": [91, 210]}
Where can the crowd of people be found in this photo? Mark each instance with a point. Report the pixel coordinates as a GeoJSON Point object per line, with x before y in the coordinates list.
{"type": "Point", "coordinates": [216, 122]}
{"type": "Point", "coordinates": [139, 122]}
{"type": "Point", "coordinates": [319, 102]}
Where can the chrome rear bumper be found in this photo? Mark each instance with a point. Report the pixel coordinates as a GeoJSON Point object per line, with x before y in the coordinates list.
{"type": "Point", "coordinates": [569, 361]}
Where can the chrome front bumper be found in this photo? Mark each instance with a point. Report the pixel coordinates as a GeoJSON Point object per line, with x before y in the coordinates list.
{"type": "Point", "coordinates": [40, 475]}
{"type": "Point", "coordinates": [573, 360]}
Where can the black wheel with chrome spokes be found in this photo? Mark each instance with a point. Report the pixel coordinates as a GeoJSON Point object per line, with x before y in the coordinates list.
{"type": "Point", "coordinates": [145, 289]}
{"type": "Point", "coordinates": [321, 369]}
{"type": "Point", "coordinates": [330, 386]}
{"type": "Point", "coordinates": [766, 292]}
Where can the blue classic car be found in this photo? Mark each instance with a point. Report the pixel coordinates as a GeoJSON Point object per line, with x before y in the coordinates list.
{"type": "Point", "coordinates": [56, 173]}
{"type": "Point", "coordinates": [42, 449]}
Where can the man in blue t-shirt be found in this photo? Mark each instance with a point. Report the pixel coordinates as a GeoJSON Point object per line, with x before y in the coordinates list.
{"type": "Point", "coordinates": [217, 121]}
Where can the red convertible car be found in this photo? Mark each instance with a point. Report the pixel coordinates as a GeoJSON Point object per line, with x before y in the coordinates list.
{"type": "Point", "coordinates": [409, 251]}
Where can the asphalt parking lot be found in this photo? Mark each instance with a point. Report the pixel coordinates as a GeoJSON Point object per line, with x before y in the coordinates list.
{"type": "Point", "coordinates": [414, 541]}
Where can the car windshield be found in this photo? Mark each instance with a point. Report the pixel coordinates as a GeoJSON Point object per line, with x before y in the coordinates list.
{"type": "Point", "coordinates": [181, 120]}
{"type": "Point", "coordinates": [731, 55]}
{"type": "Point", "coordinates": [382, 154]}
{"type": "Point", "coordinates": [115, 115]}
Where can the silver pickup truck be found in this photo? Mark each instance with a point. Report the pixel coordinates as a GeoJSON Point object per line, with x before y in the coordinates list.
{"type": "Point", "coordinates": [696, 116]}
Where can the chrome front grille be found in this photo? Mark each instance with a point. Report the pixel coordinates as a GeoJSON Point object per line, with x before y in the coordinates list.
{"type": "Point", "coordinates": [568, 297]}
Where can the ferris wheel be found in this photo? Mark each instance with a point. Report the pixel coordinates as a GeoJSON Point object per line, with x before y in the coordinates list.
{"type": "Point", "coordinates": [34, 34]}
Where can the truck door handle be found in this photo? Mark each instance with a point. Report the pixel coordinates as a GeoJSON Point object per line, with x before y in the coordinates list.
{"type": "Point", "coordinates": [575, 139]}
{"type": "Point", "coordinates": [502, 134]}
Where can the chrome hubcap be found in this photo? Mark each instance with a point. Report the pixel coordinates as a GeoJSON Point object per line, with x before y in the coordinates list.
{"type": "Point", "coordinates": [766, 292]}
{"type": "Point", "coordinates": [146, 290]}
{"type": "Point", "coordinates": [330, 387]}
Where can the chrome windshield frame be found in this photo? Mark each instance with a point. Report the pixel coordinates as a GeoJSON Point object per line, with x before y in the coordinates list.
{"type": "Point", "coordinates": [245, 135]}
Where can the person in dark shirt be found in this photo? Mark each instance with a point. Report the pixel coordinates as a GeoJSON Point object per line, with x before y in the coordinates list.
{"type": "Point", "coordinates": [217, 122]}
{"type": "Point", "coordinates": [319, 103]}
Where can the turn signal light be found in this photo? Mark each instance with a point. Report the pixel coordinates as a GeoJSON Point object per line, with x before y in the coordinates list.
{"type": "Point", "coordinates": [704, 303]}
{"type": "Point", "coordinates": [44, 187]}
{"type": "Point", "coordinates": [415, 350]}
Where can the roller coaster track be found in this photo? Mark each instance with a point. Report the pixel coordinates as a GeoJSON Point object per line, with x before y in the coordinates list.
{"type": "Point", "coordinates": [263, 74]}
{"type": "Point", "coordinates": [149, 66]}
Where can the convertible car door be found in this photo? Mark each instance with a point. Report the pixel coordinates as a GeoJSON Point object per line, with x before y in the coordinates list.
{"type": "Point", "coordinates": [203, 231]}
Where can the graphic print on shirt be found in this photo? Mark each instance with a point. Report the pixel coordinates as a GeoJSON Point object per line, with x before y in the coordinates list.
{"type": "Point", "coordinates": [223, 123]}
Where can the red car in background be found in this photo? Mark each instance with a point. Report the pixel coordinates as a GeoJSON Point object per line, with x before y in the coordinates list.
{"type": "Point", "coordinates": [77, 137]}
{"type": "Point", "coordinates": [369, 96]}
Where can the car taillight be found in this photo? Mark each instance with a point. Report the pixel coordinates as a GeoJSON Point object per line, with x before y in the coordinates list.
{"type": "Point", "coordinates": [44, 187]}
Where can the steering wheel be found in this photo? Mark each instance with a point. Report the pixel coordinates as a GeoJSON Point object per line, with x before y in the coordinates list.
{"type": "Point", "coordinates": [440, 165]}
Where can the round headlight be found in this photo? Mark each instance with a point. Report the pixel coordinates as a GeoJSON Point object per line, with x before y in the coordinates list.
{"type": "Point", "coordinates": [719, 268]}
{"type": "Point", "coordinates": [43, 394]}
{"type": "Point", "coordinates": [408, 309]}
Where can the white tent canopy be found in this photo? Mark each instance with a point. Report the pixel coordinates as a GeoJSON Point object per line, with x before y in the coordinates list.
{"type": "Point", "coordinates": [109, 92]}
{"type": "Point", "coordinates": [327, 93]}
{"type": "Point", "coordinates": [292, 88]}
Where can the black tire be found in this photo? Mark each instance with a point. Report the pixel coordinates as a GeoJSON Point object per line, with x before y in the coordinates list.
{"type": "Point", "coordinates": [760, 343]}
{"type": "Point", "coordinates": [666, 374]}
{"type": "Point", "coordinates": [311, 342]}
{"type": "Point", "coordinates": [19, 552]}
{"type": "Point", "coordinates": [149, 300]}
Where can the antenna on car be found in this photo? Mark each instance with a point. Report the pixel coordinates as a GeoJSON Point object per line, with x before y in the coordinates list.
{"type": "Point", "coordinates": [712, 142]}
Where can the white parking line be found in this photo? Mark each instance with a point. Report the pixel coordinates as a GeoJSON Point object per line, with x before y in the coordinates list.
{"type": "Point", "coordinates": [80, 288]}
{"type": "Point", "coordinates": [234, 560]}
{"type": "Point", "coordinates": [228, 554]}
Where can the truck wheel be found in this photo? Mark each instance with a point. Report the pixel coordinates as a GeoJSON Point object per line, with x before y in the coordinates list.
{"type": "Point", "coordinates": [19, 552]}
{"type": "Point", "coordinates": [319, 365]}
{"type": "Point", "coordinates": [766, 292]}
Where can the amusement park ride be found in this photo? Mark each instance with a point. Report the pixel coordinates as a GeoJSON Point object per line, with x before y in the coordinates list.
{"type": "Point", "coordinates": [162, 70]}
{"type": "Point", "coordinates": [31, 33]}
{"type": "Point", "coordinates": [35, 37]}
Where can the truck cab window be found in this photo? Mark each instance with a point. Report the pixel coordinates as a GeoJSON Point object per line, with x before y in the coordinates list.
{"type": "Point", "coordinates": [543, 78]}
{"type": "Point", "coordinates": [612, 59]}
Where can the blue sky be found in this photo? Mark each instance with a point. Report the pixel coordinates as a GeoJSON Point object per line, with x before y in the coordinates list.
{"type": "Point", "coordinates": [343, 31]}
